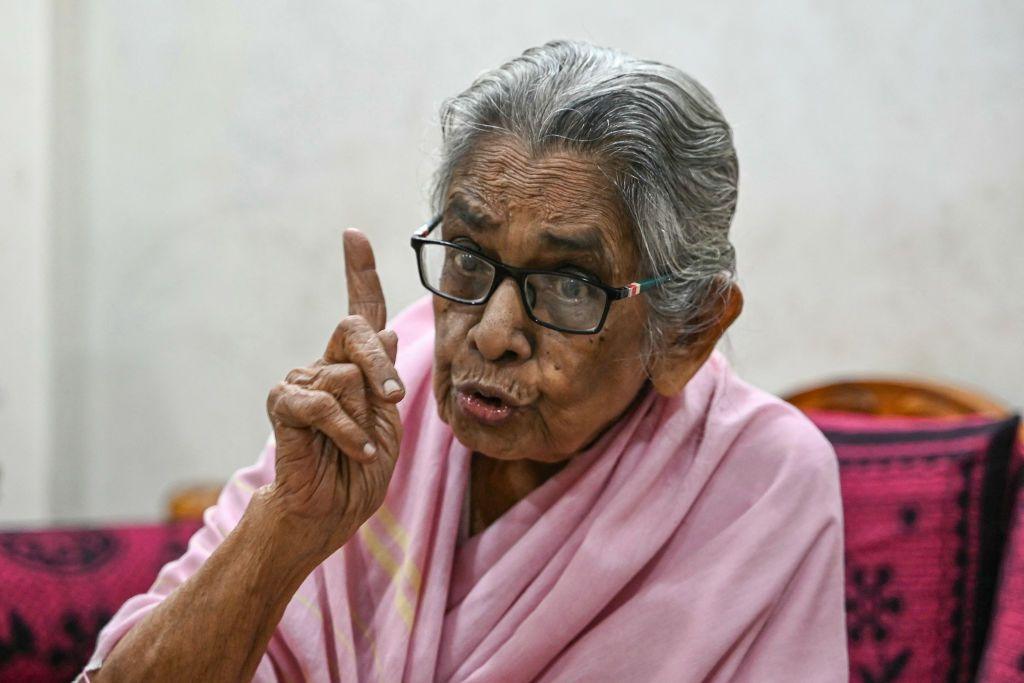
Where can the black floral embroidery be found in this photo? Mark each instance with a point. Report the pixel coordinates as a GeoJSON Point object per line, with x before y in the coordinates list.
{"type": "Point", "coordinates": [79, 633]}
{"type": "Point", "coordinates": [20, 639]}
{"type": "Point", "coordinates": [59, 552]}
{"type": "Point", "coordinates": [872, 611]}
{"type": "Point", "coordinates": [870, 608]}
{"type": "Point", "coordinates": [889, 669]}
{"type": "Point", "coordinates": [909, 514]}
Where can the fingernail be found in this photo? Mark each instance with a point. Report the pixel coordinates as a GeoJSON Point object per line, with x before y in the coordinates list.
{"type": "Point", "coordinates": [369, 450]}
{"type": "Point", "coordinates": [391, 387]}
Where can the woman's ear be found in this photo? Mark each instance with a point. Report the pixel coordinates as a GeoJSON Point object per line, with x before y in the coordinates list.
{"type": "Point", "coordinates": [670, 369]}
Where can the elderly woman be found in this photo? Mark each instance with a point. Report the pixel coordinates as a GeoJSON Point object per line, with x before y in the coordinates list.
{"type": "Point", "coordinates": [558, 479]}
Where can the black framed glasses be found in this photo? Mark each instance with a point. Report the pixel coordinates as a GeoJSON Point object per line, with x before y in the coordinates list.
{"type": "Point", "coordinates": [568, 302]}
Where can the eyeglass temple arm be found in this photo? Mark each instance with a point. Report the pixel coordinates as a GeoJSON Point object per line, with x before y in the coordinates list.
{"type": "Point", "coordinates": [635, 288]}
{"type": "Point", "coordinates": [425, 229]}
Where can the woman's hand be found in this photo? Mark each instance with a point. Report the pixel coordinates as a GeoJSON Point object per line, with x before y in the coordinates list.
{"type": "Point", "coordinates": [336, 423]}
{"type": "Point", "coordinates": [326, 485]}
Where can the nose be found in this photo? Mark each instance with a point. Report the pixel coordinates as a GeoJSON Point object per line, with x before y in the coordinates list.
{"type": "Point", "coordinates": [500, 335]}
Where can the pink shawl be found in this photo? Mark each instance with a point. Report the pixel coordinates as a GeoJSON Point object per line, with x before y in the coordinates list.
{"type": "Point", "coordinates": [699, 539]}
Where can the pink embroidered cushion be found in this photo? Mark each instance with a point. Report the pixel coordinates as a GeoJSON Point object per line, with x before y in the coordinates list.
{"type": "Point", "coordinates": [1004, 651]}
{"type": "Point", "coordinates": [923, 501]}
{"type": "Point", "coordinates": [60, 586]}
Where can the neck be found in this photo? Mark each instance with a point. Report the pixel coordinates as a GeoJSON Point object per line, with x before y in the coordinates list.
{"type": "Point", "coordinates": [497, 485]}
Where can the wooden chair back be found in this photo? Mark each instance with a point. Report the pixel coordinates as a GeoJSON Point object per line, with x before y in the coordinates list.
{"type": "Point", "coordinates": [889, 396]}
{"type": "Point", "coordinates": [188, 503]}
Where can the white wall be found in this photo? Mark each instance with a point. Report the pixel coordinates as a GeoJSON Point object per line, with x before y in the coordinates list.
{"type": "Point", "coordinates": [25, 419]}
{"type": "Point", "coordinates": [211, 153]}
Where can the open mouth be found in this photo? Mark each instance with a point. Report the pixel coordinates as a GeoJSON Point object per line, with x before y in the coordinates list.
{"type": "Point", "coordinates": [493, 401]}
{"type": "Point", "coordinates": [484, 407]}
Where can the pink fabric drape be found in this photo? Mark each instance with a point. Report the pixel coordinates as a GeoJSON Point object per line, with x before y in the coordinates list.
{"type": "Point", "coordinates": [699, 539]}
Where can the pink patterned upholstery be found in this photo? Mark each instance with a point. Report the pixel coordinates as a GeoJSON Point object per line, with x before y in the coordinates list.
{"type": "Point", "coordinates": [925, 504]}
{"type": "Point", "coordinates": [1004, 652]}
{"type": "Point", "coordinates": [61, 586]}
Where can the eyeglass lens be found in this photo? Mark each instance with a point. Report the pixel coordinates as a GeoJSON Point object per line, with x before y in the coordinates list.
{"type": "Point", "coordinates": [560, 300]}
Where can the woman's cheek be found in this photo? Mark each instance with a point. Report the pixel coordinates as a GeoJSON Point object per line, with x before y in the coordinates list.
{"type": "Point", "coordinates": [442, 381]}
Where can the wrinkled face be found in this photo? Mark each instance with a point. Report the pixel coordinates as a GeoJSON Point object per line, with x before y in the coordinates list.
{"type": "Point", "coordinates": [508, 387]}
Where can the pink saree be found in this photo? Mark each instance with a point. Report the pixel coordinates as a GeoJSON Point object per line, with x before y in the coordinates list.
{"type": "Point", "coordinates": [698, 539]}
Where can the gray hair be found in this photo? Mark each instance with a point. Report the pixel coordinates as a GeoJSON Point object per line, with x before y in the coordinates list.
{"type": "Point", "coordinates": [660, 132]}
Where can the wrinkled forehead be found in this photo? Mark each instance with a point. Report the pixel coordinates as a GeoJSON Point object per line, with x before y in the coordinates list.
{"type": "Point", "coordinates": [500, 183]}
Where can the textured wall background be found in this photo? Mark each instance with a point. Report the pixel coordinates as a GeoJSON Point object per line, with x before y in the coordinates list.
{"type": "Point", "coordinates": [25, 351]}
{"type": "Point", "coordinates": [205, 157]}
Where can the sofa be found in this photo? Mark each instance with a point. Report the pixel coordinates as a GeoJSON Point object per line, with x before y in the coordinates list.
{"type": "Point", "coordinates": [931, 480]}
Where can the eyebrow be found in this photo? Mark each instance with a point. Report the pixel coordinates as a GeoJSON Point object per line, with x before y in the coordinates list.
{"type": "Point", "coordinates": [588, 240]}
{"type": "Point", "coordinates": [469, 216]}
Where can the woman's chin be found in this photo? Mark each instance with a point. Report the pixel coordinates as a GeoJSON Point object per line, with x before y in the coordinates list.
{"type": "Point", "coordinates": [494, 441]}
{"type": "Point", "coordinates": [501, 443]}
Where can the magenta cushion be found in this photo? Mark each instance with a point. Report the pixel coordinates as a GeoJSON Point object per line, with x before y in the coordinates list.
{"type": "Point", "coordinates": [59, 587]}
{"type": "Point", "coordinates": [925, 504]}
{"type": "Point", "coordinates": [1004, 652]}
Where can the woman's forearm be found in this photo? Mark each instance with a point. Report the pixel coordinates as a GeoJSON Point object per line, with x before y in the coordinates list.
{"type": "Point", "coordinates": [216, 625]}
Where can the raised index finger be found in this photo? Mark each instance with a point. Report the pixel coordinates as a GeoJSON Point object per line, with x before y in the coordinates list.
{"type": "Point", "coordinates": [365, 296]}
